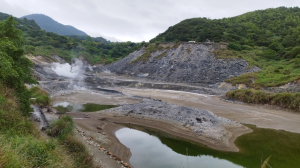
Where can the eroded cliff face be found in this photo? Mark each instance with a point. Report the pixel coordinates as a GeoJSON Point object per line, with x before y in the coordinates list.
{"type": "Point", "coordinates": [188, 63]}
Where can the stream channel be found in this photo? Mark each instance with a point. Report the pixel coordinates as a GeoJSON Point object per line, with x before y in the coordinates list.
{"type": "Point", "coordinates": [154, 148]}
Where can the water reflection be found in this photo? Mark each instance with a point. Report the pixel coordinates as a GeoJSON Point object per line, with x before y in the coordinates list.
{"type": "Point", "coordinates": [154, 148]}
{"type": "Point", "coordinates": [63, 107]}
{"type": "Point", "coordinates": [149, 151]}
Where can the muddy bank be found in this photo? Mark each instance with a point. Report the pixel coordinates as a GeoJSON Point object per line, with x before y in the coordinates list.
{"type": "Point", "coordinates": [89, 96]}
{"type": "Point", "coordinates": [261, 116]}
{"type": "Point", "coordinates": [101, 126]}
{"type": "Point", "coordinates": [198, 125]}
{"type": "Point", "coordinates": [99, 137]}
{"type": "Point", "coordinates": [118, 81]}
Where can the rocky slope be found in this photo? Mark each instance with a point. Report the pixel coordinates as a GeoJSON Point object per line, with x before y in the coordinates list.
{"type": "Point", "coordinates": [190, 63]}
{"type": "Point", "coordinates": [201, 124]}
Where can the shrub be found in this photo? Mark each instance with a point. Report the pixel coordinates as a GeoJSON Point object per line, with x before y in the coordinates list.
{"type": "Point", "coordinates": [40, 97]}
{"type": "Point", "coordinates": [61, 128]}
{"type": "Point", "coordinates": [285, 100]}
{"type": "Point", "coordinates": [234, 46]}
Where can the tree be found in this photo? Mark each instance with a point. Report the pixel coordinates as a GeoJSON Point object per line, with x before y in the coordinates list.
{"type": "Point", "coordinates": [15, 69]}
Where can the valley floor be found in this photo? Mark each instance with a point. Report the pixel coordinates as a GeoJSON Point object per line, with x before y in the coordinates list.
{"type": "Point", "coordinates": [261, 116]}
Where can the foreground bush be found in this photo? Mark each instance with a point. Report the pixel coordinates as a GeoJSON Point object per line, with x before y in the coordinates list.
{"type": "Point", "coordinates": [284, 100]}
{"type": "Point", "coordinates": [39, 97]}
{"type": "Point", "coordinates": [62, 129]}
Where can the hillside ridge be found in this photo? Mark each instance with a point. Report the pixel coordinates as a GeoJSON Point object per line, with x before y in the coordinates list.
{"type": "Point", "coordinates": [48, 24]}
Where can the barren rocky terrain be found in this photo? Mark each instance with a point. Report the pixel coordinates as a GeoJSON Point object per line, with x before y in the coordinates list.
{"type": "Point", "coordinates": [173, 94]}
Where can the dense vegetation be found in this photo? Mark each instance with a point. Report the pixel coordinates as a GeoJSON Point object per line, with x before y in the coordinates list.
{"type": "Point", "coordinates": [15, 69]}
{"type": "Point", "coordinates": [273, 28]}
{"type": "Point", "coordinates": [94, 50]}
{"type": "Point", "coordinates": [39, 97]}
{"type": "Point", "coordinates": [21, 144]}
{"type": "Point", "coordinates": [268, 39]}
{"type": "Point", "coordinates": [284, 100]}
{"type": "Point", "coordinates": [48, 24]}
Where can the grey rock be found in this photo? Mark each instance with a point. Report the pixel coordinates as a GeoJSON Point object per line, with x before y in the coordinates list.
{"type": "Point", "coordinates": [196, 66]}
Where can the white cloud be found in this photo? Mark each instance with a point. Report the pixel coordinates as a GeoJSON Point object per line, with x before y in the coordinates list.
{"type": "Point", "coordinates": [133, 20]}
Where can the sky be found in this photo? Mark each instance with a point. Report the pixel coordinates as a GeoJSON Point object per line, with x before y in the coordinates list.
{"type": "Point", "coordinates": [134, 20]}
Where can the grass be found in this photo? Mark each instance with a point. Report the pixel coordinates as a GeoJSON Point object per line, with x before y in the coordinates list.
{"type": "Point", "coordinates": [152, 48]}
{"type": "Point", "coordinates": [40, 97]}
{"type": "Point", "coordinates": [68, 55]}
{"type": "Point", "coordinates": [223, 53]}
{"type": "Point", "coordinates": [29, 151]}
{"type": "Point", "coordinates": [284, 100]}
{"type": "Point", "coordinates": [21, 144]}
{"type": "Point", "coordinates": [160, 56]}
{"type": "Point", "coordinates": [62, 130]}
{"type": "Point", "coordinates": [275, 72]}
{"type": "Point", "coordinates": [145, 57]}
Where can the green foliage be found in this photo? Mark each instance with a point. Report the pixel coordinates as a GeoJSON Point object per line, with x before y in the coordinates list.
{"type": "Point", "coordinates": [258, 28]}
{"type": "Point", "coordinates": [223, 53]}
{"type": "Point", "coordinates": [160, 56]}
{"type": "Point", "coordinates": [276, 46]}
{"type": "Point", "coordinates": [39, 97]}
{"type": "Point", "coordinates": [274, 71]}
{"type": "Point", "coordinates": [62, 128]}
{"type": "Point", "coordinates": [234, 46]}
{"type": "Point", "coordinates": [285, 100]}
{"type": "Point", "coordinates": [269, 54]}
{"type": "Point", "coordinates": [95, 50]}
{"type": "Point", "coordinates": [145, 57]}
{"type": "Point", "coordinates": [242, 79]}
{"type": "Point", "coordinates": [20, 142]}
{"type": "Point", "coordinates": [15, 69]}
{"type": "Point", "coordinates": [293, 52]}
{"type": "Point", "coordinates": [78, 152]}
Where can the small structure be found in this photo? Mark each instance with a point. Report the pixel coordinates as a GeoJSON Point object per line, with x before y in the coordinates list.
{"type": "Point", "coordinates": [192, 41]}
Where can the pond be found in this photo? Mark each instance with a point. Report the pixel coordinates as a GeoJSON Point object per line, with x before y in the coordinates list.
{"type": "Point", "coordinates": [154, 148]}
{"type": "Point", "coordinates": [63, 107]}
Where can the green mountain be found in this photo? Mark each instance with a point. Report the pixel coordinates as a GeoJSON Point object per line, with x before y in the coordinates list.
{"type": "Point", "coordinates": [48, 24]}
{"type": "Point", "coordinates": [93, 49]}
{"type": "Point", "coordinates": [269, 39]}
{"type": "Point", "coordinates": [258, 28]}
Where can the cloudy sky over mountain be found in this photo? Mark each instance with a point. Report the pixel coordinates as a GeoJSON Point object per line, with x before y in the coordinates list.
{"type": "Point", "coordinates": [133, 20]}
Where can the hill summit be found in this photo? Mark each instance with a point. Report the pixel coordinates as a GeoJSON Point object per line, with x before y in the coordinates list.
{"type": "Point", "coordinates": [48, 24]}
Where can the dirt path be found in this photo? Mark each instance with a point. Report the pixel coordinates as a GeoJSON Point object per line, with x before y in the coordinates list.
{"type": "Point", "coordinates": [264, 117]}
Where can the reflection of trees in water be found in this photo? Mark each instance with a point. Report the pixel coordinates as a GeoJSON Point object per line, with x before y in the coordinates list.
{"type": "Point", "coordinates": [89, 107]}
{"type": "Point", "coordinates": [282, 145]}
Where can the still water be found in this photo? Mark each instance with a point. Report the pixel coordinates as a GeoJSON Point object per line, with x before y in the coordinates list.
{"type": "Point", "coordinates": [63, 107]}
{"type": "Point", "coordinates": [153, 148]}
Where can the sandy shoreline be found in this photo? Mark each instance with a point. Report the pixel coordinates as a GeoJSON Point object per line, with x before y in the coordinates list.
{"type": "Point", "coordinates": [110, 125]}
{"type": "Point", "coordinates": [261, 116]}
{"type": "Point", "coordinates": [178, 131]}
{"type": "Point", "coordinates": [105, 137]}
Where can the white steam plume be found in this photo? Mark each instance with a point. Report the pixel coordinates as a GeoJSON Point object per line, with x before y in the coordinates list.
{"type": "Point", "coordinates": [75, 72]}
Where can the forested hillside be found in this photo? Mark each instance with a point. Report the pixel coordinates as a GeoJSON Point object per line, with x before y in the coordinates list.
{"type": "Point", "coordinates": [258, 28]}
{"type": "Point", "coordinates": [21, 143]}
{"type": "Point", "coordinates": [94, 50]}
{"type": "Point", "coordinates": [48, 24]}
{"type": "Point", "coordinates": [268, 38]}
